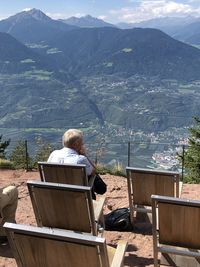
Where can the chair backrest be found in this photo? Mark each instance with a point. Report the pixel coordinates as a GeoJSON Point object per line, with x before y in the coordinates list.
{"type": "Point", "coordinates": [36, 246]}
{"type": "Point", "coordinates": [179, 221]}
{"type": "Point", "coordinates": [176, 223]}
{"type": "Point", "coordinates": [63, 173]}
{"type": "Point", "coordinates": [142, 183]}
{"type": "Point", "coordinates": [63, 206]}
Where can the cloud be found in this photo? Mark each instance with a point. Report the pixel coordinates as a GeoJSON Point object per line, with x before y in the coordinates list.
{"type": "Point", "coordinates": [27, 9]}
{"type": "Point", "coordinates": [102, 17]}
{"type": "Point", "coordinates": [3, 17]}
{"type": "Point", "coordinates": [56, 15]}
{"type": "Point", "coordinates": [154, 8]}
{"type": "Point", "coordinates": [79, 15]}
{"type": "Point", "coordinates": [193, 1]}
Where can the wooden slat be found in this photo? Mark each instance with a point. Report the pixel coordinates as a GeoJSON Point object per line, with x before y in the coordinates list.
{"type": "Point", "coordinates": [37, 246]}
{"type": "Point", "coordinates": [63, 209]}
{"type": "Point", "coordinates": [146, 184]}
{"type": "Point", "coordinates": [179, 260]}
{"type": "Point", "coordinates": [63, 173]}
{"type": "Point", "coordinates": [119, 254]}
{"type": "Point", "coordinates": [40, 252]}
{"type": "Point", "coordinates": [98, 207]}
{"type": "Point", "coordinates": [179, 225]}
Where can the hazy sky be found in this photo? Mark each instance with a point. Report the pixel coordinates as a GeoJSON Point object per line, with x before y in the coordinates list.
{"type": "Point", "coordinates": [110, 10]}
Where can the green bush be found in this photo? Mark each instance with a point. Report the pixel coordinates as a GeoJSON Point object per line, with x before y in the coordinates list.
{"type": "Point", "coordinates": [6, 164]}
{"type": "Point", "coordinates": [192, 155]}
{"type": "Point", "coordinates": [20, 157]}
{"type": "Point", "coordinates": [102, 169]}
{"type": "Point", "coordinates": [116, 170]}
{"type": "Point", "coordinates": [3, 146]}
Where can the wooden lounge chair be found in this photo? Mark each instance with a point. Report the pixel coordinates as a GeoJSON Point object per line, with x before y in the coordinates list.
{"type": "Point", "coordinates": [176, 231]}
{"type": "Point", "coordinates": [36, 246]}
{"type": "Point", "coordinates": [66, 206]}
{"type": "Point", "coordinates": [63, 173]}
{"type": "Point", "coordinates": [142, 183]}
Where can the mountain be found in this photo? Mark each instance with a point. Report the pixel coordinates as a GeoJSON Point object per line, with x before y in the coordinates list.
{"type": "Point", "coordinates": [139, 79]}
{"type": "Point", "coordinates": [87, 21]}
{"type": "Point", "coordinates": [33, 26]}
{"type": "Point", "coordinates": [190, 33]}
{"type": "Point", "coordinates": [181, 28]}
{"type": "Point", "coordinates": [16, 57]}
{"type": "Point", "coordinates": [94, 51]}
{"type": "Point", "coordinates": [147, 52]}
{"type": "Point", "coordinates": [169, 25]}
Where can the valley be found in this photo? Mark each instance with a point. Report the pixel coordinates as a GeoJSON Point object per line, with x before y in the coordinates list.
{"type": "Point", "coordinates": [152, 115]}
{"type": "Point", "coordinates": [135, 85]}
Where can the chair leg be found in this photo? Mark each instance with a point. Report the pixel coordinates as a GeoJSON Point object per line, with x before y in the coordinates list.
{"type": "Point", "coordinates": [132, 214]}
{"type": "Point", "coordinates": [156, 261]}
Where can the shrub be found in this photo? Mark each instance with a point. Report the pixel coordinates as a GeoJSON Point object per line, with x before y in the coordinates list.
{"type": "Point", "coordinates": [3, 146]}
{"type": "Point", "coordinates": [20, 157]}
{"type": "Point", "coordinates": [117, 169]}
{"type": "Point", "coordinates": [6, 164]}
{"type": "Point", "coordinates": [192, 155]}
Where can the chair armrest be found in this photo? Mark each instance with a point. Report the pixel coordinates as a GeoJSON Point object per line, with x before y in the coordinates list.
{"type": "Point", "coordinates": [180, 188]}
{"type": "Point", "coordinates": [119, 254]}
{"type": "Point", "coordinates": [91, 181]}
{"type": "Point", "coordinates": [98, 207]}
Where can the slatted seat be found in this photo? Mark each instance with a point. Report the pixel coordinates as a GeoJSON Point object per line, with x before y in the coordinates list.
{"type": "Point", "coordinates": [142, 183]}
{"type": "Point", "coordinates": [63, 173]}
{"type": "Point", "coordinates": [66, 206]}
{"type": "Point", "coordinates": [36, 246]}
{"type": "Point", "coordinates": [176, 231]}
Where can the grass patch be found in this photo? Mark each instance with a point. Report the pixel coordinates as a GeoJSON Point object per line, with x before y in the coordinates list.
{"type": "Point", "coordinates": [53, 51]}
{"type": "Point", "coordinates": [108, 64]}
{"type": "Point", "coordinates": [127, 50]}
{"type": "Point", "coordinates": [41, 130]}
{"type": "Point", "coordinates": [197, 46]}
{"type": "Point", "coordinates": [27, 61]}
{"type": "Point", "coordinates": [38, 74]}
{"type": "Point", "coordinates": [39, 46]}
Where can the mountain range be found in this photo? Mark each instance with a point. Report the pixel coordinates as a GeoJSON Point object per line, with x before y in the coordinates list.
{"type": "Point", "coordinates": [87, 22]}
{"type": "Point", "coordinates": [39, 26]}
{"type": "Point", "coordinates": [185, 29]}
{"type": "Point", "coordinates": [114, 76]}
{"type": "Point", "coordinates": [104, 50]}
{"type": "Point", "coordinates": [147, 52]}
{"type": "Point", "coordinates": [33, 26]}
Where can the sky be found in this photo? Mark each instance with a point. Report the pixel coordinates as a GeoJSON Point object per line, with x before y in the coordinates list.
{"type": "Point", "coordinates": [112, 11]}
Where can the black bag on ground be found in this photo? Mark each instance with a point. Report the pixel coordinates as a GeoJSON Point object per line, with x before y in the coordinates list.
{"type": "Point", "coordinates": [118, 220]}
{"type": "Point", "coordinates": [99, 186]}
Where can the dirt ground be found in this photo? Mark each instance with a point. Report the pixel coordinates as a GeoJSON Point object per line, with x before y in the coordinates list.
{"type": "Point", "coordinates": [140, 246]}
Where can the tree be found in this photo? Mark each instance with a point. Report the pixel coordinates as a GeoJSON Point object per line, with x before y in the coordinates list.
{"type": "Point", "coordinates": [20, 157]}
{"type": "Point", "coordinates": [192, 155]}
{"type": "Point", "coordinates": [43, 151]}
{"type": "Point", "coordinates": [3, 146]}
